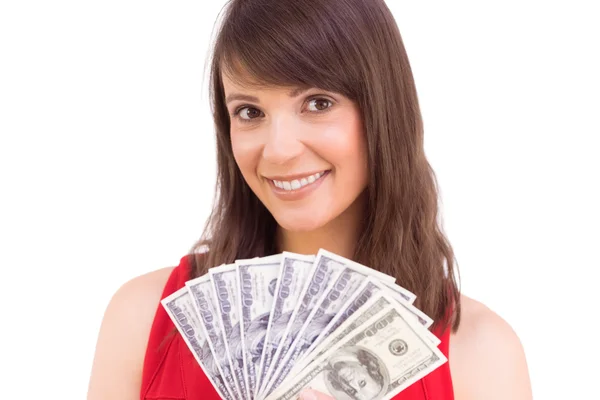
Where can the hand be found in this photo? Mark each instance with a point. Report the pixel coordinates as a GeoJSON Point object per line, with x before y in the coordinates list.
{"type": "Point", "coordinates": [309, 394]}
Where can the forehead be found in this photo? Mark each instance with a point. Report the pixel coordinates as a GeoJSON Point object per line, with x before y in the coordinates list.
{"type": "Point", "coordinates": [245, 83]}
{"type": "Point", "coordinates": [243, 88]}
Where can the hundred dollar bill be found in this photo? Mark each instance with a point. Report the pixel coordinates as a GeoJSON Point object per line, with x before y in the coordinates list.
{"type": "Point", "coordinates": [322, 308]}
{"type": "Point", "coordinates": [257, 279]}
{"type": "Point", "coordinates": [368, 288]}
{"type": "Point", "coordinates": [376, 361]}
{"type": "Point", "coordinates": [201, 292]}
{"type": "Point", "coordinates": [372, 296]}
{"type": "Point", "coordinates": [408, 296]}
{"type": "Point", "coordinates": [180, 308]}
{"type": "Point", "coordinates": [291, 280]}
{"type": "Point", "coordinates": [321, 276]}
{"type": "Point", "coordinates": [357, 300]}
{"type": "Point", "coordinates": [423, 318]}
{"type": "Point", "coordinates": [226, 292]}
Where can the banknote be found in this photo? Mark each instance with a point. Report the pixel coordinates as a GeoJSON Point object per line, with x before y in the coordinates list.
{"type": "Point", "coordinates": [258, 325]}
{"type": "Point", "coordinates": [376, 361]}
{"type": "Point", "coordinates": [357, 300]}
{"type": "Point", "coordinates": [180, 308]}
{"type": "Point", "coordinates": [293, 274]}
{"type": "Point", "coordinates": [226, 292]}
{"type": "Point", "coordinates": [373, 297]}
{"type": "Point", "coordinates": [350, 279]}
{"type": "Point", "coordinates": [367, 289]}
{"type": "Point", "coordinates": [322, 275]}
{"type": "Point", "coordinates": [257, 279]}
{"type": "Point", "coordinates": [201, 292]}
{"type": "Point", "coordinates": [407, 295]}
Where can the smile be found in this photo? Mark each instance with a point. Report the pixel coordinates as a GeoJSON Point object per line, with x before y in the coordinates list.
{"type": "Point", "coordinates": [299, 183]}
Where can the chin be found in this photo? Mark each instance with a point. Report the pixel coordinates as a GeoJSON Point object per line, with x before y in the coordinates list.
{"type": "Point", "coordinates": [300, 224]}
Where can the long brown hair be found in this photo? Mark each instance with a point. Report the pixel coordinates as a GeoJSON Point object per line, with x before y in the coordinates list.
{"type": "Point", "coordinates": [352, 47]}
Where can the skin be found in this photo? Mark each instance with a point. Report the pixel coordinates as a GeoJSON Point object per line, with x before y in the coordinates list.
{"type": "Point", "coordinates": [289, 136]}
{"type": "Point", "coordinates": [282, 135]}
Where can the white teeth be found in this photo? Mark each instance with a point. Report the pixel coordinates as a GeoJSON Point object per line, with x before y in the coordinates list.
{"type": "Point", "coordinates": [298, 183]}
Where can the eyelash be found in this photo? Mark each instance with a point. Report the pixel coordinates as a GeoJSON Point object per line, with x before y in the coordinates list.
{"type": "Point", "coordinates": [236, 113]}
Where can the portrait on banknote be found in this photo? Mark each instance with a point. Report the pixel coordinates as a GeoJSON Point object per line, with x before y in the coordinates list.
{"type": "Point", "coordinates": [234, 340]}
{"type": "Point", "coordinates": [355, 373]}
{"type": "Point", "coordinates": [254, 338]}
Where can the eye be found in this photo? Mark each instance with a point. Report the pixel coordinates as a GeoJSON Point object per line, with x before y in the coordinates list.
{"type": "Point", "coordinates": [362, 383]}
{"type": "Point", "coordinates": [321, 100]}
{"type": "Point", "coordinates": [252, 112]}
{"type": "Point", "coordinates": [237, 113]}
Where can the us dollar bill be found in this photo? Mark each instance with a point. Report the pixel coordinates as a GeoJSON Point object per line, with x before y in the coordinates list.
{"type": "Point", "coordinates": [323, 273]}
{"type": "Point", "coordinates": [293, 274]}
{"type": "Point", "coordinates": [180, 308]}
{"type": "Point", "coordinates": [226, 292]}
{"type": "Point", "coordinates": [350, 279]}
{"type": "Point", "coordinates": [369, 299]}
{"type": "Point", "coordinates": [359, 297]}
{"type": "Point", "coordinates": [408, 296]}
{"type": "Point", "coordinates": [420, 316]}
{"type": "Point", "coordinates": [201, 292]}
{"type": "Point", "coordinates": [377, 360]}
{"type": "Point", "coordinates": [257, 279]}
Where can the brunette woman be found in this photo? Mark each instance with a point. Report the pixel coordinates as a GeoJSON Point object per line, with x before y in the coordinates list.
{"type": "Point", "coordinates": [319, 145]}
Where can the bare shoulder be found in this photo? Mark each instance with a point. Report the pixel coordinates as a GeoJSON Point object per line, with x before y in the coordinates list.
{"type": "Point", "coordinates": [487, 360]}
{"type": "Point", "coordinates": [121, 346]}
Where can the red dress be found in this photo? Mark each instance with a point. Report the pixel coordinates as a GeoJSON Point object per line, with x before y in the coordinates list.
{"type": "Point", "coordinates": [171, 372]}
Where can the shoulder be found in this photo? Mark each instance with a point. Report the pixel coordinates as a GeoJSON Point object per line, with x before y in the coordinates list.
{"type": "Point", "coordinates": [487, 360]}
{"type": "Point", "coordinates": [123, 337]}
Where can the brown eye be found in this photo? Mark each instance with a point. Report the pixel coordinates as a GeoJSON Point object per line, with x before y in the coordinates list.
{"type": "Point", "coordinates": [253, 112]}
{"type": "Point", "coordinates": [320, 103]}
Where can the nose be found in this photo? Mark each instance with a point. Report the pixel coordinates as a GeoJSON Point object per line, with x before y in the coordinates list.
{"type": "Point", "coordinates": [282, 141]}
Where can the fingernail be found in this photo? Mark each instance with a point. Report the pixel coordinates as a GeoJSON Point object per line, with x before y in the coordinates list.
{"type": "Point", "coordinates": [308, 394]}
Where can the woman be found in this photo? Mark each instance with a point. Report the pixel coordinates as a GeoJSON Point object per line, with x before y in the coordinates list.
{"type": "Point", "coordinates": [319, 144]}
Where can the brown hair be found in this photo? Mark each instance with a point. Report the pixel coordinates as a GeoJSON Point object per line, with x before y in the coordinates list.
{"type": "Point", "coordinates": [352, 47]}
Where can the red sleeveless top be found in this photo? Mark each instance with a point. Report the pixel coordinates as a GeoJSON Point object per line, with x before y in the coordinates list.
{"type": "Point", "coordinates": [170, 371]}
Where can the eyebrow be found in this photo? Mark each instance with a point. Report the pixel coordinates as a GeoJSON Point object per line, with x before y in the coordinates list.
{"type": "Point", "coordinates": [238, 96]}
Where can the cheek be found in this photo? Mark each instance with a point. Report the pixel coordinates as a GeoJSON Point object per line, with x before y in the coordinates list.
{"type": "Point", "coordinates": [346, 146]}
{"type": "Point", "coordinates": [245, 153]}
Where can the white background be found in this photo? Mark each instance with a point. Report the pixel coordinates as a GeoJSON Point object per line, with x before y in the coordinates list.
{"type": "Point", "coordinates": [107, 168]}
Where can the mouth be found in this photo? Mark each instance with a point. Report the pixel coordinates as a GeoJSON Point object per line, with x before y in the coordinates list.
{"type": "Point", "coordinates": [299, 183]}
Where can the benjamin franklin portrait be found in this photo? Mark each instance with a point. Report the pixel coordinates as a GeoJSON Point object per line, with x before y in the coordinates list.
{"type": "Point", "coordinates": [355, 373]}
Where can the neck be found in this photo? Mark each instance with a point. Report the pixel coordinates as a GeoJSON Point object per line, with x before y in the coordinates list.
{"type": "Point", "coordinates": [338, 236]}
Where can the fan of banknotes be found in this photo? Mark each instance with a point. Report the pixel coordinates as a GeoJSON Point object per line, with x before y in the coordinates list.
{"type": "Point", "coordinates": [268, 327]}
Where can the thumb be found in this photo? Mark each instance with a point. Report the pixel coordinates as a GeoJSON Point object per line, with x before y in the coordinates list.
{"type": "Point", "coordinates": [309, 394]}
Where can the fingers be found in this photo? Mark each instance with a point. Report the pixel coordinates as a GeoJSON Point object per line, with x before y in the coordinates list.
{"type": "Point", "coordinates": [309, 394]}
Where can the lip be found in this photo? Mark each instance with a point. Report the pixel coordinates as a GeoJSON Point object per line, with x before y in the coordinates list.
{"type": "Point", "coordinates": [296, 176]}
{"type": "Point", "coordinates": [297, 194]}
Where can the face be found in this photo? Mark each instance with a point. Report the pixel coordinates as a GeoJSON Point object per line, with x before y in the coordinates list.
{"type": "Point", "coordinates": [357, 381]}
{"type": "Point", "coordinates": [304, 155]}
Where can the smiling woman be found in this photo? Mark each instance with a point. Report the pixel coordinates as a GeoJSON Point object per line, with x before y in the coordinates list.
{"type": "Point", "coordinates": [303, 154]}
{"type": "Point", "coordinates": [319, 145]}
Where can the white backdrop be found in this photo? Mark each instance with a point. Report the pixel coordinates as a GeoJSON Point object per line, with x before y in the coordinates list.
{"type": "Point", "coordinates": [107, 168]}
